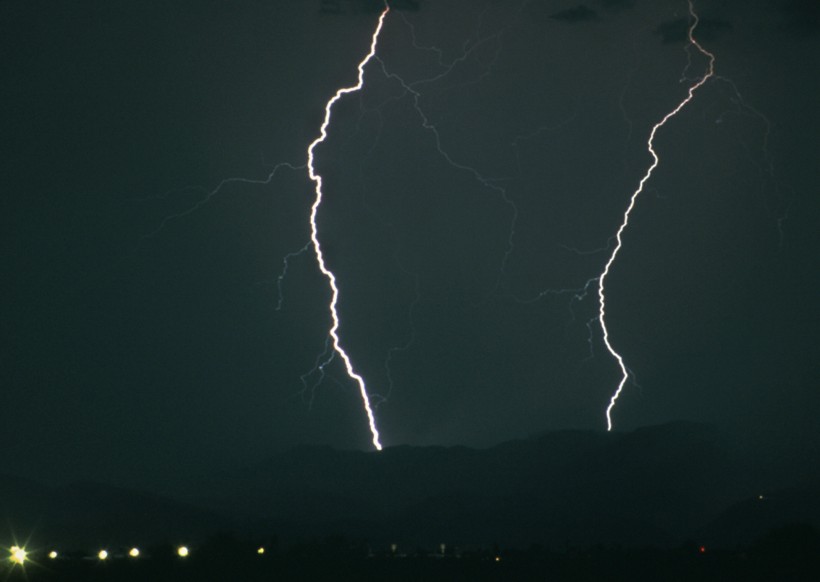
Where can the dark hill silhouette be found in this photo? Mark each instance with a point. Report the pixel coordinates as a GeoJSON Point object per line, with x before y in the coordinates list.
{"type": "Point", "coordinates": [653, 486]}
{"type": "Point", "coordinates": [749, 520]}
{"type": "Point", "coordinates": [93, 515]}
{"type": "Point", "coordinates": [656, 486]}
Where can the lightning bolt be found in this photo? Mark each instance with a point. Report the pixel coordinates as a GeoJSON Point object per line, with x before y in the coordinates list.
{"type": "Point", "coordinates": [314, 233]}
{"type": "Point", "coordinates": [619, 242]}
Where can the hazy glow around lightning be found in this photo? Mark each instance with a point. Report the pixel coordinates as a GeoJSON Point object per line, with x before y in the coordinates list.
{"type": "Point", "coordinates": [655, 160]}
{"type": "Point", "coordinates": [314, 234]}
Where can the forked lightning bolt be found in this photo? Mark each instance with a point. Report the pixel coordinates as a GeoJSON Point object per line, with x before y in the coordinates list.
{"type": "Point", "coordinates": [314, 232]}
{"type": "Point", "coordinates": [602, 278]}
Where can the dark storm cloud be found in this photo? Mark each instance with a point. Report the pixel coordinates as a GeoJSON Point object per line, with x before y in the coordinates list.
{"type": "Point", "coordinates": [673, 31]}
{"type": "Point", "coordinates": [351, 6]}
{"type": "Point", "coordinates": [366, 6]}
{"type": "Point", "coordinates": [409, 5]}
{"type": "Point", "coordinates": [616, 5]}
{"type": "Point", "coordinates": [580, 13]}
{"type": "Point", "coordinates": [802, 17]}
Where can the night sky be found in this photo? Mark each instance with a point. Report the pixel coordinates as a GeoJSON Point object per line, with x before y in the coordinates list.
{"type": "Point", "coordinates": [146, 335]}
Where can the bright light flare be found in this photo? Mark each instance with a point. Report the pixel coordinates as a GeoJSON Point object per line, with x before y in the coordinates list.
{"type": "Point", "coordinates": [314, 232]}
{"type": "Point", "coordinates": [134, 552]}
{"type": "Point", "coordinates": [182, 551]}
{"type": "Point", "coordinates": [52, 555]}
{"type": "Point", "coordinates": [18, 555]}
{"type": "Point", "coordinates": [655, 160]}
{"type": "Point", "coordinates": [260, 551]}
{"type": "Point", "coordinates": [102, 555]}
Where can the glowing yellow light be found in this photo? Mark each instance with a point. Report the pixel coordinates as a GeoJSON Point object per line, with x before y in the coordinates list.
{"type": "Point", "coordinates": [18, 554]}
{"type": "Point", "coordinates": [52, 555]}
{"type": "Point", "coordinates": [102, 555]}
{"type": "Point", "coordinates": [260, 551]}
{"type": "Point", "coordinates": [134, 552]}
{"type": "Point", "coordinates": [498, 558]}
{"type": "Point", "coordinates": [182, 551]}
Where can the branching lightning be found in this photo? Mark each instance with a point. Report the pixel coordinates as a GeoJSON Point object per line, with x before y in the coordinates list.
{"type": "Point", "coordinates": [619, 242]}
{"type": "Point", "coordinates": [284, 273]}
{"type": "Point", "coordinates": [414, 91]}
{"type": "Point", "coordinates": [314, 234]}
{"type": "Point", "coordinates": [215, 191]}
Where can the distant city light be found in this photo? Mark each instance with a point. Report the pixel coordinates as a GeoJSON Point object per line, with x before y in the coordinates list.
{"type": "Point", "coordinates": [260, 550]}
{"type": "Point", "coordinates": [182, 551]}
{"type": "Point", "coordinates": [102, 555]}
{"type": "Point", "coordinates": [702, 549]}
{"type": "Point", "coordinates": [18, 554]}
{"type": "Point", "coordinates": [52, 555]}
{"type": "Point", "coordinates": [134, 552]}
{"type": "Point", "coordinates": [498, 558]}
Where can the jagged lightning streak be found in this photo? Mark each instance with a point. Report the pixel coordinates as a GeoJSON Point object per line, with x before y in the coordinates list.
{"type": "Point", "coordinates": [314, 231]}
{"type": "Point", "coordinates": [655, 160]}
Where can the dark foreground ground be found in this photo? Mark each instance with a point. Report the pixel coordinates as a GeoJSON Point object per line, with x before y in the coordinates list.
{"type": "Point", "coordinates": [789, 554]}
